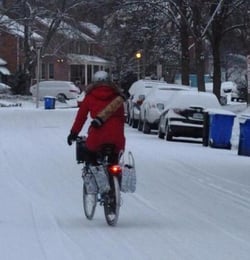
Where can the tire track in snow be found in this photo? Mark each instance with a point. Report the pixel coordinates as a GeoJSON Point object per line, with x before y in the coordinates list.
{"type": "Point", "coordinates": [45, 227]}
{"type": "Point", "coordinates": [236, 191]}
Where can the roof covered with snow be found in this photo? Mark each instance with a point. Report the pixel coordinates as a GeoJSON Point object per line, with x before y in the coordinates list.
{"type": "Point", "coordinates": [78, 59]}
{"type": "Point", "coordinates": [67, 30]}
{"type": "Point", "coordinates": [94, 29]}
{"type": "Point", "coordinates": [4, 71]}
{"type": "Point", "coordinates": [2, 62]}
{"type": "Point", "coordinates": [17, 29]}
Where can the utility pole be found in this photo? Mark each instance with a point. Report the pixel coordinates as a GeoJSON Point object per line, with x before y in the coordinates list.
{"type": "Point", "coordinates": [39, 46]}
{"type": "Point", "coordinates": [138, 56]}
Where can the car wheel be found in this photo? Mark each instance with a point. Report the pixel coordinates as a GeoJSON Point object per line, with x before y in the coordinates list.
{"type": "Point", "coordinates": [135, 123]}
{"type": "Point", "coordinates": [146, 127]}
{"type": "Point", "coordinates": [169, 136]}
{"type": "Point", "coordinates": [130, 121]}
{"type": "Point", "coordinates": [140, 125]}
{"type": "Point", "coordinates": [127, 119]}
{"type": "Point", "coordinates": [160, 134]}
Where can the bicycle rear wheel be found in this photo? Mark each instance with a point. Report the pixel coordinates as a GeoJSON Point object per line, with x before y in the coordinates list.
{"type": "Point", "coordinates": [89, 203]}
{"type": "Point", "coordinates": [112, 202]}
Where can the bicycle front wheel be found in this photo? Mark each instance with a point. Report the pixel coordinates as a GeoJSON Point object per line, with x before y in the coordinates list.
{"type": "Point", "coordinates": [89, 203]}
{"type": "Point", "coordinates": [112, 202]}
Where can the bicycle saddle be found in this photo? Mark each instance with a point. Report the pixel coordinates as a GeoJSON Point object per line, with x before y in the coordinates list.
{"type": "Point", "coordinates": [109, 151]}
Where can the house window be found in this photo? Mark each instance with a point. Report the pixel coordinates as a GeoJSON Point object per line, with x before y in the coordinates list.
{"type": "Point", "coordinates": [51, 71]}
{"type": "Point", "coordinates": [89, 73]}
{"type": "Point", "coordinates": [96, 68]}
{"type": "Point", "coordinates": [77, 73]}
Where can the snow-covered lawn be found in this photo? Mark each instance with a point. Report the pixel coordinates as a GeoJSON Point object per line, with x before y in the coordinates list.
{"type": "Point", "coordinates": [192, 202]}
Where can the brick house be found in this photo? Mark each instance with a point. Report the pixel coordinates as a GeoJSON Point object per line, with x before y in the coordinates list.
{"type": "Point", "coordinates": [11, 43]}
{"type": "Point", "coordinates": [69, 56]}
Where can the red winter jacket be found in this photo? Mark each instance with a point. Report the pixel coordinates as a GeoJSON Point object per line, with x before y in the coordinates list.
{"type": "Point", "coordinates": [112, 131]}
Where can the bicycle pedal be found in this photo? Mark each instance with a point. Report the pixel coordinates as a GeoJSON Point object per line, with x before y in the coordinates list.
{"type": "Point", "coordinates": [101, 201]}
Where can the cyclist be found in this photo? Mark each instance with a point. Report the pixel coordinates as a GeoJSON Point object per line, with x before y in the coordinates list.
{"type": "Point", "coordinates": [104, 102]}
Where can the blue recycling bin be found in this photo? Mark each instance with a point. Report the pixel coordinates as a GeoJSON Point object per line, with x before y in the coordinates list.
{"type": "Point", "coordinates": [220, 130]}
{"type": "Point", "coordinates": [49, 102]}
{"type": "Point", "coordinates": [244, 138]}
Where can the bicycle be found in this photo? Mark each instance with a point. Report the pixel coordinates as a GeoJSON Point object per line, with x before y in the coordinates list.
{"type": "Point", "coordinates": [95, 188]}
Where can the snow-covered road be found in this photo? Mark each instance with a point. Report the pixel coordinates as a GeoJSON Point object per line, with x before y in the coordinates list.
{"type": "Point", "coordinates": [192, 202]}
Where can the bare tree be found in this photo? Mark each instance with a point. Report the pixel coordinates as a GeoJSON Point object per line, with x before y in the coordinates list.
{"type": "Point", "coordinates": [161, 29]}
{"type": "Point", "coordinates": [142, 26]}
{"type": "Point", "coordinates": [27, 12]}
{"type": "Point", "coordinates": [228, 18]}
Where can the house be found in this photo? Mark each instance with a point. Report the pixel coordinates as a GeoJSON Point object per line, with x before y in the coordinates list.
{"type": "Point", "coordinates": [71, 54]}
{"type": "Point", "coordinates": [76, 59]}
{"type": "Point", "coordinates": [11, 43]}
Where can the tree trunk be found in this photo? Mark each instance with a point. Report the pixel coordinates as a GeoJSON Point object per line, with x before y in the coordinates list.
{"type": "Point", "coordinates": [27, 51]}
{"type": "Point", "coordinates": [216, 70]}
{"type": "Point", "coordinates": [199, 57]}
{"type": "Point", "coordinates": [216, 41]}
{"type": "Point", "coordinates": [184, 46]}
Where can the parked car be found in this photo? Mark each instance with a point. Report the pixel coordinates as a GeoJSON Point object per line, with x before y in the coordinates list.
{"type": "Point", "coordinates": [4, 88]}
{"type": "Point", "coordinates": [184, 115]}
{"type": "Point", "coordinates": [138, 91]}
{"type": "Point", "coordinates": [239, 93]}
{"type": "Point", "coordinates": [226, 91]}
{"type": "Point", "coordinates": [154, 104]}
{"type": "Point", "coordinates": [61, 90]}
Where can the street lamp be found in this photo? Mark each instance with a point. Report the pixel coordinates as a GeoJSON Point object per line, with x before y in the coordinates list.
{"type": "Point", "coordinates": [38, 47]}
{"type": "Point", "coordinates": [138, 57]}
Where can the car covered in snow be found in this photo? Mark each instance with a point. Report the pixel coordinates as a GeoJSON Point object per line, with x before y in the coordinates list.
{"type": "Point", "coordinates": [184, 115]}
{"type": "Point", "coordinates": [154, 103]}
{"type": "Point", "coordinates": [61, 90]}
{"type": "Point", "coordinates": [138, 91]}
{"type": "Point", "coordinates": [226, 91]}
{"type": "Point", "coordinates": [239, 93]}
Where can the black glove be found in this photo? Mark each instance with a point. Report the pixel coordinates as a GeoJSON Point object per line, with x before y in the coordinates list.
{"type": "Point", "coordinates": [71, 137]}
{"type": "Point", "coordinates": [97, 122]}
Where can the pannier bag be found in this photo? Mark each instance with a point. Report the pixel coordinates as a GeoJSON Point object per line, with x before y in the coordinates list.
{"type": "Point", "coordinates": [81, 149]}
{"type": "Point", "coordinates": [128, 181]}
{"type": "Point", "coordinates": [101, 178]}
{"type": "Point", "coordinates": [83, 154]}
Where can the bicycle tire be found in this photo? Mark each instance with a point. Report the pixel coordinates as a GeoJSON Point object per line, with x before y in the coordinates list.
{"type": "Point", "coordinates": [89, 203]}
{"type": "Point", "coordinates": [112, 202]}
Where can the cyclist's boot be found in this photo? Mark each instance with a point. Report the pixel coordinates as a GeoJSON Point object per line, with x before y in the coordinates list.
{"type": "Point", "coordinates": [101, 178]}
